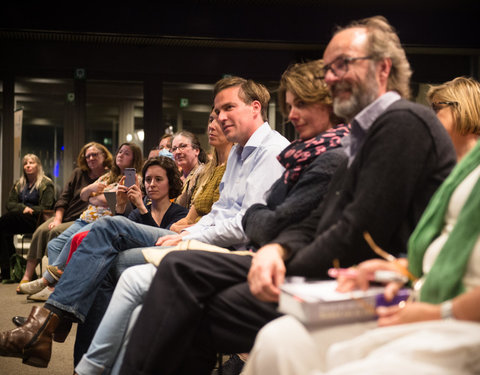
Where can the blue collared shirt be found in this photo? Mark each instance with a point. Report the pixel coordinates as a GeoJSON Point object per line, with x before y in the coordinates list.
{"type": "Point", "coordinates": [364, 120]}
{"type": "Point", "coordinates": [251, 171]}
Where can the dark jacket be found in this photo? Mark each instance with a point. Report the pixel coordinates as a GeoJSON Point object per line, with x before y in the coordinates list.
{"type": "Point", "coordinates": [70, 198]}
{"type": "Point", "coordinates": [46, 192]}
{"type": "Point", "coordinates": [289, 204]}
{"type": "Point", "coordinates": [405, 157]}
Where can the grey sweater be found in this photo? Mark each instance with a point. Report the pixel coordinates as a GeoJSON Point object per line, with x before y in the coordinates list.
{"type": "Point", "coordinates": [405, 157]}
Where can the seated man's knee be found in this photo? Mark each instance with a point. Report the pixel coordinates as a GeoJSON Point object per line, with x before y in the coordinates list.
{"type": "Point", "coordinates": [173, 260]}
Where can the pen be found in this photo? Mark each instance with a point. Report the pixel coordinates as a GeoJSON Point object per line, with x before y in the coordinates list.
{"type": "Point", "coordinates": [380, 276]}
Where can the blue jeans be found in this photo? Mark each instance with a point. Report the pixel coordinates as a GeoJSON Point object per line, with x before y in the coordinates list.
{"type": "Point", "coordinates": [76, 290]}
{"type": "Point", "coordinates": [56, 245]}
{"type": "Point", "coordinates": [108, 345]}
{"type": "Point", "coordinates": [61, 259]}
{"type": "Point", "coordinates": [86, 330]}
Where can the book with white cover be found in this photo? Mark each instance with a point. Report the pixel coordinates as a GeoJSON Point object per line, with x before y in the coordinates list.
{"type": "Point", "coordinates": [318, 302]}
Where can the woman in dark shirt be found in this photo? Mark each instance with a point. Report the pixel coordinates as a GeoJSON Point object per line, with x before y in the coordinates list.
{"type": "Point", "coordinates": [162, 183]}
{"type": "Point", "coordinates": [30, 195]}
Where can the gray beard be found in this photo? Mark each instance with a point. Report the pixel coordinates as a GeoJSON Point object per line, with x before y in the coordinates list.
{"type": "Point", "coordinates": [348, 109]}
{"type": "Point", "coordinates": [362, 95]}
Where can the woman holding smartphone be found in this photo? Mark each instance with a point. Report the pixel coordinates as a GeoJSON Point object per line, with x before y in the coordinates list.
{"type": "Point", "coordinates": [128, 155]}
{"type": "Point", "coordinates": [162, 183]}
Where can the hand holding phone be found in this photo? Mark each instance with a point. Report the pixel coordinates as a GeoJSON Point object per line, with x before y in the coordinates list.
{"type": "Point", "coordinates": [130, 176]}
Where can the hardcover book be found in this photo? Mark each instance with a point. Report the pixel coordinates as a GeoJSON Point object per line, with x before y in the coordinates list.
{"type": "Point", "coordinates": [318, 302]}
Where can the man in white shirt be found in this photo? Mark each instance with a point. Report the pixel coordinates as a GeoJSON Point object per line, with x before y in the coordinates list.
{"type": "Point", "coordinates": [252, 167]}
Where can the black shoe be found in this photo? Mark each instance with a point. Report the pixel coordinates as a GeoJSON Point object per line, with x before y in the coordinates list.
{"type": "Point", "coordinates": [232, 366]}
{"type": "Point", "coordinates": [19, 320]}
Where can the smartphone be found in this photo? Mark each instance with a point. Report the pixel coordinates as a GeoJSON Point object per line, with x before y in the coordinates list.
{"type": "Point", "coordinates": [130, 174]}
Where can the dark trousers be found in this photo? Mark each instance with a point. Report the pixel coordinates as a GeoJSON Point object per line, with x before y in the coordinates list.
{"type": "Point", "coordinates": [199, 304]}
{"type": "Point", "coordinates": [13, 223]}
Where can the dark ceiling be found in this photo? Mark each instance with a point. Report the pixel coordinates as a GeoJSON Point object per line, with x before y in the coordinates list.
{"type": "Point", "coordinates": [419, 22]}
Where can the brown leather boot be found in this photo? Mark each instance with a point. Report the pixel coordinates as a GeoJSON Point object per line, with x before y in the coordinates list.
{"type": "Point", "coordinates": [33, 341]}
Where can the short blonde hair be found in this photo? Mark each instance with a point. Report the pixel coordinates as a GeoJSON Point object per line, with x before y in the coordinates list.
{"type": "Point", "coordinates": [249, 91]}
{"type": "Point", "coordinates": [465, 94]}
{"type": "Point", "coordinates": [383, 42]}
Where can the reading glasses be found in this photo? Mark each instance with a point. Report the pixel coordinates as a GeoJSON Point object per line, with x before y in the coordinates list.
{"type": "Point", "coordinates": [339, 66]}
{"type": "Point", "coordinates": [437, 106]}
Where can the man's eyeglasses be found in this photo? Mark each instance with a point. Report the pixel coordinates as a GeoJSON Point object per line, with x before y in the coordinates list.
{"type": "Point", "coordinates": [93, 155]}
{"type": "Point", "coordinates": [181, 147]}
{"type": "Point", "coordinates": [437, 106]}
{"type": "Point", "coordinates": [339, 66]}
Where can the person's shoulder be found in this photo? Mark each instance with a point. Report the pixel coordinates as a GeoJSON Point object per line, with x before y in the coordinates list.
{"type": "Point", "coordinates": [409, 108]}
{"type": "Point", "coordinates": [46, 181]}
{"type": "Point", "coordinates": [78, 173]}
{"type": "Point", "coordinates": [334, 154]}
{"type": "Point", "coordinates": [411, 116]}
{"type": "Point", "coordinates": [410, 105]}
{"type": "Point", "coordinates": [274, 140]}
{"type": "Point", "coordinates": [174, 207]}
{"type": "Point", "coordinates": [199, 168]}
{"type": "Point", "coordinates": [327, 162]}
{"type": "Point", "coordinates": [16, 185]}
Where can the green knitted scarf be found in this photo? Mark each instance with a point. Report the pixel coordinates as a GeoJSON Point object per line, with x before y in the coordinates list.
{"type": "Point", "coordinates": [444, 281]}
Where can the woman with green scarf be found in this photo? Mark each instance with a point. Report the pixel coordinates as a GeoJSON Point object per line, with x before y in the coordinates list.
{"type": "Point", "coordinates": [438, 332]}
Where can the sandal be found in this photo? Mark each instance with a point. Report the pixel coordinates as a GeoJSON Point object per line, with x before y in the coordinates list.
{"type": "Point", "coordinates": [55, 272]}
{"type": "Point", "coordinates": [21, 282]}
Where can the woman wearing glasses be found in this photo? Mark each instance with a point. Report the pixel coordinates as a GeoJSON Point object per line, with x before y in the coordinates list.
{"type": "Point", "coordinates": [439, 333]}
{"type": "Point", "coordinates": [129, 155]}
{"type": "Point", "coordinates": [190, 158]}
{"type": "Point", "coordinates": [92, 162]}
{"type": "Point", "coordinates": [453, 103]}
{"type": "Point", "coordinates": [207, 188]}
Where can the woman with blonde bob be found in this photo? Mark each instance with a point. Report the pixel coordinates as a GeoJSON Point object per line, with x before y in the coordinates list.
{"type": "Point", "coordinates": [30, 195]}
{"type": "Point", "coordinates": [456, 104]}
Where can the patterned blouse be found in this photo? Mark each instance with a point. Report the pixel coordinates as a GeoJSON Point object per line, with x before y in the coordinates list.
{"type": "Point", "coordinates": [93, 212]}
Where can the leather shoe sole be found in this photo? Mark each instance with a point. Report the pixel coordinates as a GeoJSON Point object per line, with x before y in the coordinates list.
{"type": "Point", "coordinates": [19, 320]}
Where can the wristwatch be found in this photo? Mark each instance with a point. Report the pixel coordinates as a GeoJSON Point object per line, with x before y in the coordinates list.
{"type": "Point", "coordinates": [446, 310]}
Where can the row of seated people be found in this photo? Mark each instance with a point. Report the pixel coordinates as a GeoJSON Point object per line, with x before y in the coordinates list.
{"type": "Point", "coordinates": [319, 200]}
{"type": "Point", "coordinates": [189, 158]}
{"type": "Point", "coordinates": [34, 192]}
